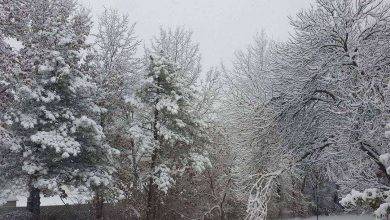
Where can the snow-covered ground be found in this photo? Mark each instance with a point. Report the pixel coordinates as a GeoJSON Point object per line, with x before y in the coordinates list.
{"type": "Point", "coordinates": [48, 201]}
{"type": "Point", "coordinates": [344, 217]}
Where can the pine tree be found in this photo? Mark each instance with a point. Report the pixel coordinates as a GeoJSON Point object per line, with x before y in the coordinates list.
{"type": "Point", "coordinates": [53, 111]}
{"type": "Point", "coordinates": [176, 133]}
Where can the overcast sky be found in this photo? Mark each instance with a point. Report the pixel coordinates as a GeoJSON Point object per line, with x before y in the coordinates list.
{"type": "Point", "coordinates": [220, 26]}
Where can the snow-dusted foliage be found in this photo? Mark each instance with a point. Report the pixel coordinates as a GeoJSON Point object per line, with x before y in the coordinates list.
{"type": "Point", "coordinates": [114, 72]}
{"type": "Point", "coordinates": [51, 113]}
{"type": "Point", "coordinates": [377, 199]}
{"type": "Point", "coordinates": [199, 162]}
{"type": "Point", "coordinates": [321, 98]}
{"type": "Point", "coordinates": [10, 182]}
{"type": "Point", "coordinates": [176, 136]}
{"type": "Point", "coordinates": [162, 177]}
{"type": "Point", "coordinates": [169, 103]}
{"type": "Point", "coordinates": [385, 160]}
{"type": "Point", "coordinates": [177, 46]}
{"type": "Point", "coordinates": [370, 196]}
{"type": "Point", "coordinates": [266, 174]}
{"type": "Point", "coordinates": [289, 128]}
{"type": "Point", "coordinates": [13, 21]}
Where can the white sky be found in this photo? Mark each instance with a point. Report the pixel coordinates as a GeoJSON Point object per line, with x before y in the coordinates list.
{"type": "Point", "coordinates": [220, 26]}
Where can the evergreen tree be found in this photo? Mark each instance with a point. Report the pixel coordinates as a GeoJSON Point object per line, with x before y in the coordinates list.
{"type": "Point", "coordinates": [177, 136]}
{"type": "Point", "coordinates": [53, 111]}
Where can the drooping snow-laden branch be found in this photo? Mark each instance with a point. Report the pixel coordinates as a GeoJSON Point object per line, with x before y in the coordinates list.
{"type": "Point", "coordinates": [262, 189]}
{"type": "Point", "coordinates": [260, 195]}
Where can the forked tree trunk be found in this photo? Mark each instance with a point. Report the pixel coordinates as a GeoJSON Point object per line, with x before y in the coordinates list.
{"type": "Point", "coordinates": [34, 201]}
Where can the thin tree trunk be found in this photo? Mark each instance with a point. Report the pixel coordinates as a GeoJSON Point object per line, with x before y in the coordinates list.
{"type": "Point", "coordinates": [135, 163]}
{"type": "Point", "coordinates": [222, 214]}
{"type": "Point", "coordinates": [152, 203]}
{"type": "Point", "coordinates": [151, 208]}
{"type": "Point", "coordinates": [98, 199]}
{"type": "Point", "coordinates": [98, 204]}
{"type": "Point", "coordinates": [34, 200]}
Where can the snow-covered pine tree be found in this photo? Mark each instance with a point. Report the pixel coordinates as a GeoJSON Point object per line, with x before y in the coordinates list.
{"type": "Point", "coordinates": [53, 112]}
{"type": "Point", "coordinates": [177, 135]}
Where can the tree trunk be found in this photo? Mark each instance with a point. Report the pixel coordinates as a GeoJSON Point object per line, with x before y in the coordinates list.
{"type": "Point", "coordinates": [98, 200]}
{"type": "Point", "coordinates": [152, 192]}
{"type": "Point", "coordinates": [151, 208]}
{"type": "Point", "coordinates": [135, 163]}
{"type": "Point", "coordinates": [222, 214]}
{"type": "Point", "coordinates": [98, 203]}
{"type": "Point", "coordinates": [152, 198]}
{"type": "Point", "coordinates": [34, 201]}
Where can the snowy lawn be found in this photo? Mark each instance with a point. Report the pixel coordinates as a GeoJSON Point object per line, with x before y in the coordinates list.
{"type": "Point", "coordinates": [50, 201]}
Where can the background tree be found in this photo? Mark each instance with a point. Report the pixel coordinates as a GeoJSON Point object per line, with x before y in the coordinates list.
{"type": "Point", "coordinates": [115, 74]}
{"type": "Point", "coordinates": [178, 46]}
{"type": "Point", "coordinates": [331, 85]}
